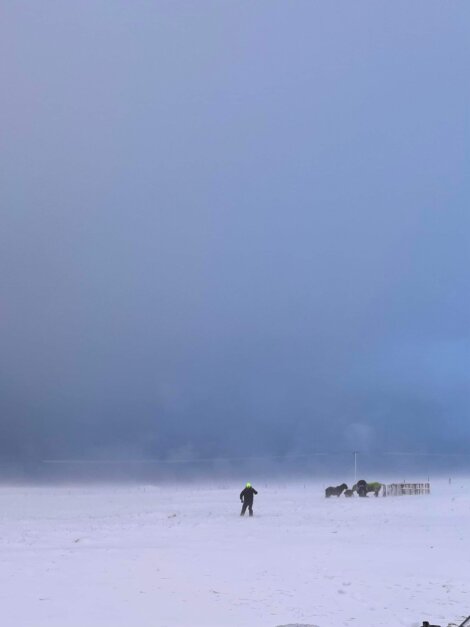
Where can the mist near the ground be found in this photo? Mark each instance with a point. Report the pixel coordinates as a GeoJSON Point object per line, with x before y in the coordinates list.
{"type": "Point", "coordinates": [233, 230]}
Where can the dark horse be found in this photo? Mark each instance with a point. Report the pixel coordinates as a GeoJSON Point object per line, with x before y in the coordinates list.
{"type": "Point", "coordinates": [363, 488]}
{"type": "Point", "coordinates": [338, 491]}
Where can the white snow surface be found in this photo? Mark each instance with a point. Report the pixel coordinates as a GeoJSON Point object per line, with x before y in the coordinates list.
{"type": "Point", "coordinates": [181, 556]}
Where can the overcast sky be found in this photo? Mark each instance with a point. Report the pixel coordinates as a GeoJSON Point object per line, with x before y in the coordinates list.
{"type": "Point", "coordinates": [233, 227]}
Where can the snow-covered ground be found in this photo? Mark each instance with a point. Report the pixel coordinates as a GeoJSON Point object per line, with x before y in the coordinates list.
{"type": "Point", "coordinates": [174, 556]}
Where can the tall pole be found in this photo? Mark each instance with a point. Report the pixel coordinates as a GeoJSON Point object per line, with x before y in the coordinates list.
{"type": "Point", "coordinates": [355, 466]}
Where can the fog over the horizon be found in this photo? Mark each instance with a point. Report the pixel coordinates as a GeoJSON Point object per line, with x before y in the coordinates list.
{"type": "Point", "coordinates": [233, 228]}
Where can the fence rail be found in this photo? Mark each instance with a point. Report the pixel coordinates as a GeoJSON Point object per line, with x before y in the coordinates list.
{"type": "Point", "coordinates": [403, 489]}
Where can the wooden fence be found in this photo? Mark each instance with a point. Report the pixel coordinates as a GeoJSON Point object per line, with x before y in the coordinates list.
{"type": "Point", "coordinates": [403, 489]}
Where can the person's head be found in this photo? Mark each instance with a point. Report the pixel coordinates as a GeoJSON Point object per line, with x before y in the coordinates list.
{"type": "Point", "coordinates": [248, 485]}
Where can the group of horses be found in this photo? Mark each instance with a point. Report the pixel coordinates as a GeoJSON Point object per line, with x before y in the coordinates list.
{"type": "Point", "coordinates": [361, 487]}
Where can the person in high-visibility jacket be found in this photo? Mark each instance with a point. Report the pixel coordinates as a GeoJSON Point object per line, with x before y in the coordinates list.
{"type": "Point", "coordinates": [246, 497]}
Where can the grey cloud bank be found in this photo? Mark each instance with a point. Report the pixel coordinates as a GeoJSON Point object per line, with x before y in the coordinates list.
{"type": "Point", "coordinates": [233, 228]}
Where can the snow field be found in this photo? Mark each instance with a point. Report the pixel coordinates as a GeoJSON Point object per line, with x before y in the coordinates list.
{"type": "Point", "coordinates": [181, 556]}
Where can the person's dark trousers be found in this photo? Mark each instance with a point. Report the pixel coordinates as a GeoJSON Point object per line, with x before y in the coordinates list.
{"type": "Point", "coordinates": [250, 509]}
